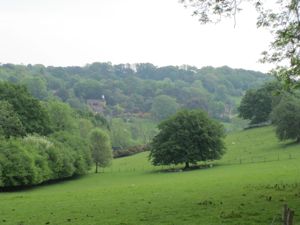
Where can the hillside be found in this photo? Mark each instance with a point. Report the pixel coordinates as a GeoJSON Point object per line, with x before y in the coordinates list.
{"type": "Point", "coordinates": [126, 90]}
{"type": "Point", "coordinates": [234, 191]}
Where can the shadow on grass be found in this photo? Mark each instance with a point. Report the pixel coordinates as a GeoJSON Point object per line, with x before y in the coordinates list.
{"type": "Point", "coordinates": [289, 144]}
{"type": "Point", "coordinates": [182, 169]}
{"type": "Point", "coordinates": [46, 183]}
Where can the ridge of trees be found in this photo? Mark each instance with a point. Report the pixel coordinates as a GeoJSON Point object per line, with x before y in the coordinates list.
{"type": "Point", "coordinates": [132, 89]}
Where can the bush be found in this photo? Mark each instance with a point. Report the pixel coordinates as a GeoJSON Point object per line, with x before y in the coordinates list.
{"type": "Point", "coordinates": [17, 164]}
{"type": "Point", "coordinates": [129, 151]}
{"type": "Point", "coordinates": [34, 160]}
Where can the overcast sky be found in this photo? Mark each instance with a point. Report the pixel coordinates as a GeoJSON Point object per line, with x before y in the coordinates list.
{"type": "Point", "coordinates": [162, 32]}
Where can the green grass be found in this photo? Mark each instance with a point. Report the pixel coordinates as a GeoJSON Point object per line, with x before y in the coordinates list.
{"type": "Point", "coordinates": [134, 192]}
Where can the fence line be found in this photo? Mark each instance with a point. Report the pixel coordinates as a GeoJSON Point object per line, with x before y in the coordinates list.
{"type": "Point", "coordinates": [237, 161]}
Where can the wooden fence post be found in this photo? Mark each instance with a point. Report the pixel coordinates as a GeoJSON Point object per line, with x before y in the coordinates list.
{"type": "Point", "coordinates": [290, 217]}
{"type": "Point", "coordinates": [287, 215]}
{"type": "Point", "coordinates": [284, 214]}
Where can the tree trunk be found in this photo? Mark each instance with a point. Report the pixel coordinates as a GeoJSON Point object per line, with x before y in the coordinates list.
{"type": "Point", "coordinates": [187, 165]}
{"type": "Point", "coordinates": [96, 168]}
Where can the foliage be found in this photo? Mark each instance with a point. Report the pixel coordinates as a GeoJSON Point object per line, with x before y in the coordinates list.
{"type": "Point", "coordinates": [129, 151]}
{"type": "Point", "coordinates": [256, 105]}
{"type": "Point", "coordinates": [32, 115]}
{"type": "Point", "coordinates": [36, 86]}
{"type": "Point", "coordinates": [10, 124]}
{"type": "Point", "coordinates": [187, 137]}
{"type": "Point", "coordinates": [101, 148]}
{"type": "Point", "coordinates": [34, 160]}
{"type": "Point", "coordinates": [17, 166]}
{"type": "Point", "coordinates": [80, 148]}
{"type": "Point", "coordinates": [61, 116]}
{"type": "Point", "coordinates": [120, 133]}
{"type": "Point", "coordinates": [163, 106]}
{"type": "Point", "coordinates": [281, 17]}
{"type": "Point", "coordinates": [286, 118]}
{"type": "Point", "coordinates": [132, 89]}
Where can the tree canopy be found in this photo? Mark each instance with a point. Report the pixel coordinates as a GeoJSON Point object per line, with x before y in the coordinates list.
{"type": "Point", "coordinates": [101, 148]}
{"type": "Point", "coordinates": [286, 118]}
{"type": "Point", "coordinates": [257, 104]}
{"type": "Point", "coordinates": [10, 124]}
{"type": "Point", "coordinates": [30, 112]}
{"type": "Point", "coordinates": [163, 106]}
{"type": "Point", "coordinates": [187, 137]}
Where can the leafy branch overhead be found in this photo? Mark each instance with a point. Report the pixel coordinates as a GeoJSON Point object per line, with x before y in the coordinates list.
{"type": "Point", "coordinates": [280, 17]}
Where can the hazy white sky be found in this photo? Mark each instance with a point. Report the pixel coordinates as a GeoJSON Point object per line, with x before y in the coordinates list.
{"type": "Point", "coordinates": [162, 32]}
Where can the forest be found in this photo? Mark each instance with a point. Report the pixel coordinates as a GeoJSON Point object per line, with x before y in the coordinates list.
{"type": "Point", "coordinates": [138, 89]}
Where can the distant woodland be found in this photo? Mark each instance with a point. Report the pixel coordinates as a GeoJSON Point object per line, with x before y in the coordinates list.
{"type": "Point", "coordinates": [138, 89]}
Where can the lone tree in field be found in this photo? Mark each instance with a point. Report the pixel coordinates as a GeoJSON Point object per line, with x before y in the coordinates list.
{"type": "Point", "coordinates": [286, 118]}
{"type": "Point", "coordinates": [187, 137]}
{"type": "Point", "coordinates": [101, 148]}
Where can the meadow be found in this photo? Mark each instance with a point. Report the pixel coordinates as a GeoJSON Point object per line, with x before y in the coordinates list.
{"type": "Point", "coordinates": [249, 185]}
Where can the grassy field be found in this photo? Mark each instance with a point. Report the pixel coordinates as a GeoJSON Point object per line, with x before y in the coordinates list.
{"type": "Point", "coordinates": [249, 185]}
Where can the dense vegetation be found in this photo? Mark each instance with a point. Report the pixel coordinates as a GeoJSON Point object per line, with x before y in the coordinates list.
{"type": "Point", "coordinates": [271, 103]}
{"type": "Point", "coordinates": [135, 89]}
{"type": "Point", "coordinates": [41, 141]}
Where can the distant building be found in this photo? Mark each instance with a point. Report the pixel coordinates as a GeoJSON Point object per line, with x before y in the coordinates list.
{"type": "Point", "coordinates": [97, 105]}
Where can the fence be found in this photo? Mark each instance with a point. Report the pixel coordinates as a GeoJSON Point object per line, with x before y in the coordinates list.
{"type": "Point", "coordinates": [261, 158]}
{"type": "Point", "coordinates": [265, 158]}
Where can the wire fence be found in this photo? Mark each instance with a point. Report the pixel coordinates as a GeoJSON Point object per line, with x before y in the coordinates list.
{"type": "Point", "coordinates": [265, 158]}
{"type": "Point", "coordinates": [260, 158]}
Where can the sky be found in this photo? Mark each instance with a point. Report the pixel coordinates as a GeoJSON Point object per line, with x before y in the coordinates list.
{"type": "Point", "coordinates": [162, 32]}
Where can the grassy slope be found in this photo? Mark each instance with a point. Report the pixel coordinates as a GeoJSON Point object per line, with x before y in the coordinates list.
{"type": "Point", "coordinates": [133, 192]}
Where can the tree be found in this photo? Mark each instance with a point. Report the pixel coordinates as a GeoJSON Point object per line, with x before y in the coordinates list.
{"type": "Point", "coordinates": [62, 116]}
{"type": "Point", "coordinates": [187, 137]}
{"type": "Point", "coordinates": [101, 148]}
{"type": "Point", "coordinates": [282, 18]}
{"type": "Point", "coordinates": [163, 106]}
{"type": "Point", "coordinates": [10, 124]}
{"type": "Point", "coordinates": [256, 105]}
{"type": "Point", "coordinates": [286, 118]}
{"type": "Point", "coordinates": [32, 115]}
{"type": "Point", "coordinates": [37, 87]}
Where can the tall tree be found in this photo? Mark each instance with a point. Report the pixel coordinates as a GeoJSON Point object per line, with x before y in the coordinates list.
{"type": "Point", "coordinates": [286, 118]}
{"type": "Point", "coordinates": [256, 105]}
{"type": "Point", "coordinates": [101, 148]}
{"type": "Point", "coordinates": [187, 137]}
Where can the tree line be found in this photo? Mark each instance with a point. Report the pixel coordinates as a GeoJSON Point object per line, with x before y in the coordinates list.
{"type": "Point", "coordinates": [138, 88]}
{"type": "Point", "coordinates": [272, 103]}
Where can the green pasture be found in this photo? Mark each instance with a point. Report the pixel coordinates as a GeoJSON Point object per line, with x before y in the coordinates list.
{"type": "Point", "coordinates": [249, 185]}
